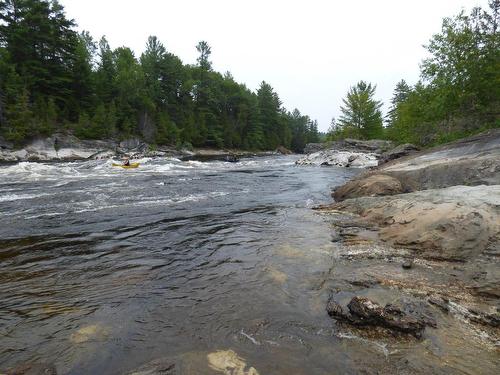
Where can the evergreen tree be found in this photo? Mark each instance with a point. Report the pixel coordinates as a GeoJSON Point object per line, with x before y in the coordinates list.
{"type": "Point", "coordinates": [401, 93]}
{"type": "Point", "coordinates": [361, 116]}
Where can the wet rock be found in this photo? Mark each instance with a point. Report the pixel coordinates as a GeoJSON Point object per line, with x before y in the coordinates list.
{"type": "Point", "coordinates": [156, 367]}
{"type": "Point", "coordinates": [374, 185]}
{"type": "Point", "coordinates": [231, 158]}
{"type": "Point", "coordinates": [398, 152]}
{"type": "Point", "coordinates": [364, 312]}
{"type": "Point", "coordinates": [32, 369]}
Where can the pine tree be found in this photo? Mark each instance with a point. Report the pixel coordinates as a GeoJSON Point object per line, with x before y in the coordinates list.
{"type": "Point", "coordinates": [361, 116]}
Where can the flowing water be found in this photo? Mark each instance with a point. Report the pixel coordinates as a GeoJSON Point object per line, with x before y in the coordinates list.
{"type": "Point", "coordinates": [214, 266]}
{"type": "Point", "coordinates": [104, 269]}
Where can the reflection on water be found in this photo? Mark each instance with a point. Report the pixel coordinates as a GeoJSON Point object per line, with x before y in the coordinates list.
{"type": "Point", "coordinates": [216, 267]}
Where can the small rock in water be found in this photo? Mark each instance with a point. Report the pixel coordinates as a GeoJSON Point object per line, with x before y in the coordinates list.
{"type": "Point", "coordinates": [407, 264]}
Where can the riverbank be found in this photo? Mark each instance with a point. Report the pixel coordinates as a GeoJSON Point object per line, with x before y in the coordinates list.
{"type": "Point", "coordinates": [65, 147]}
{"type": "Point", "coordinates": [420, 235]}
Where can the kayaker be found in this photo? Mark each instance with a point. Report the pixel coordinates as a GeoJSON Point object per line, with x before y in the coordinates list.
{"type": "Point", "coordinates": [126, 162]}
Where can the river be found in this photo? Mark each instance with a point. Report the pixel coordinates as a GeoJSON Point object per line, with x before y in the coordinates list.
{"type": "Point", "coordinates": [104, 269]}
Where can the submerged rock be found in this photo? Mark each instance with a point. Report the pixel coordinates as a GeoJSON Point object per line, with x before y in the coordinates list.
{"type": "Point", "coordinates": [94, 332]}
{"type": "Point", "coordinates": [229, 363]}
{"type": "Point", "coordinates": [364, 312]}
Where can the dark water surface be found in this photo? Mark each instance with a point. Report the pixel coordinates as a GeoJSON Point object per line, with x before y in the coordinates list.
{"type": "Point", "coordinates": [103, 270]}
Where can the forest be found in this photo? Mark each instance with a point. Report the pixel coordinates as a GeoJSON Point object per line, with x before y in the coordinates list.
{"type": "Point", "coordinates": [54, 79]}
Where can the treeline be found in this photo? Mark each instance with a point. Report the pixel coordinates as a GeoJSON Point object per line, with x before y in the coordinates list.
{"type": "Point", "coordinates": [458, 93]}
{"type": "Point", "coordinates": [55, 79]}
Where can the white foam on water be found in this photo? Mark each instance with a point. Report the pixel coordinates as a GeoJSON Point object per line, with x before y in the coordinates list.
{"type": "Point", "coordinates": [16, 197]}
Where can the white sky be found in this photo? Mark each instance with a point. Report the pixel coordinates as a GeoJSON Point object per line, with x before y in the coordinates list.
{"type": "Point", "coordinates": [311, 51]}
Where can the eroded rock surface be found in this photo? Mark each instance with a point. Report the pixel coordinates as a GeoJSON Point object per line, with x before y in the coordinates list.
{"type": "Point", "coordinates": [453, 223]}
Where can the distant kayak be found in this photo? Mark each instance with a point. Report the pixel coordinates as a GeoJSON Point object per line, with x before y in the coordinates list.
{"type": "Point", "coordinates": [130, 166]}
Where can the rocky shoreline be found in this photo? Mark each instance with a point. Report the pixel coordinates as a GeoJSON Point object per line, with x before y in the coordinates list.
{"type": "Point", "coordinates": [420, 234]}
{"type": "Point", "coordinates": [65, 147]}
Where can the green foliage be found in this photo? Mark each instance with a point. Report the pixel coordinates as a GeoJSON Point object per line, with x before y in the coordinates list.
{"type": "Point", "coordinates": [52, 76]}
{"type": "Point", "coordinates": [459, 93]}
{"type": "Point", "coordinates": [361, 116]}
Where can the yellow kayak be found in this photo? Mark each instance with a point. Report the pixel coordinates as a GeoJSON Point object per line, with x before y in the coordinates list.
{"type": "Point", "coordinates": [130, 166]}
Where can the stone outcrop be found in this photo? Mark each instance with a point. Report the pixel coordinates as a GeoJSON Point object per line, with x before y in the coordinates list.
{"type": "Point", "coordinates": [373, 185]}
{"type": "Point", "coordinates": [345, 153]}
{"type": "Point", "coordinates": [472, 161]}
{"type": "Point", "coordinates": [339, 159]}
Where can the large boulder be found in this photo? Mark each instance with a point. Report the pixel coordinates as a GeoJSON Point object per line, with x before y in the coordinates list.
{"type": "Point", "coordinates": [373, 185]}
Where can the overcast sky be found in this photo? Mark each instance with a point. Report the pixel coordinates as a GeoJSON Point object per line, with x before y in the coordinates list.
{"type": "Point", "coordinates": [310, 51]}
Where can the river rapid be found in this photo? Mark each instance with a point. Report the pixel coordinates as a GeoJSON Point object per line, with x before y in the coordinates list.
{"type": "Point", "coordinates": [104, 269]}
